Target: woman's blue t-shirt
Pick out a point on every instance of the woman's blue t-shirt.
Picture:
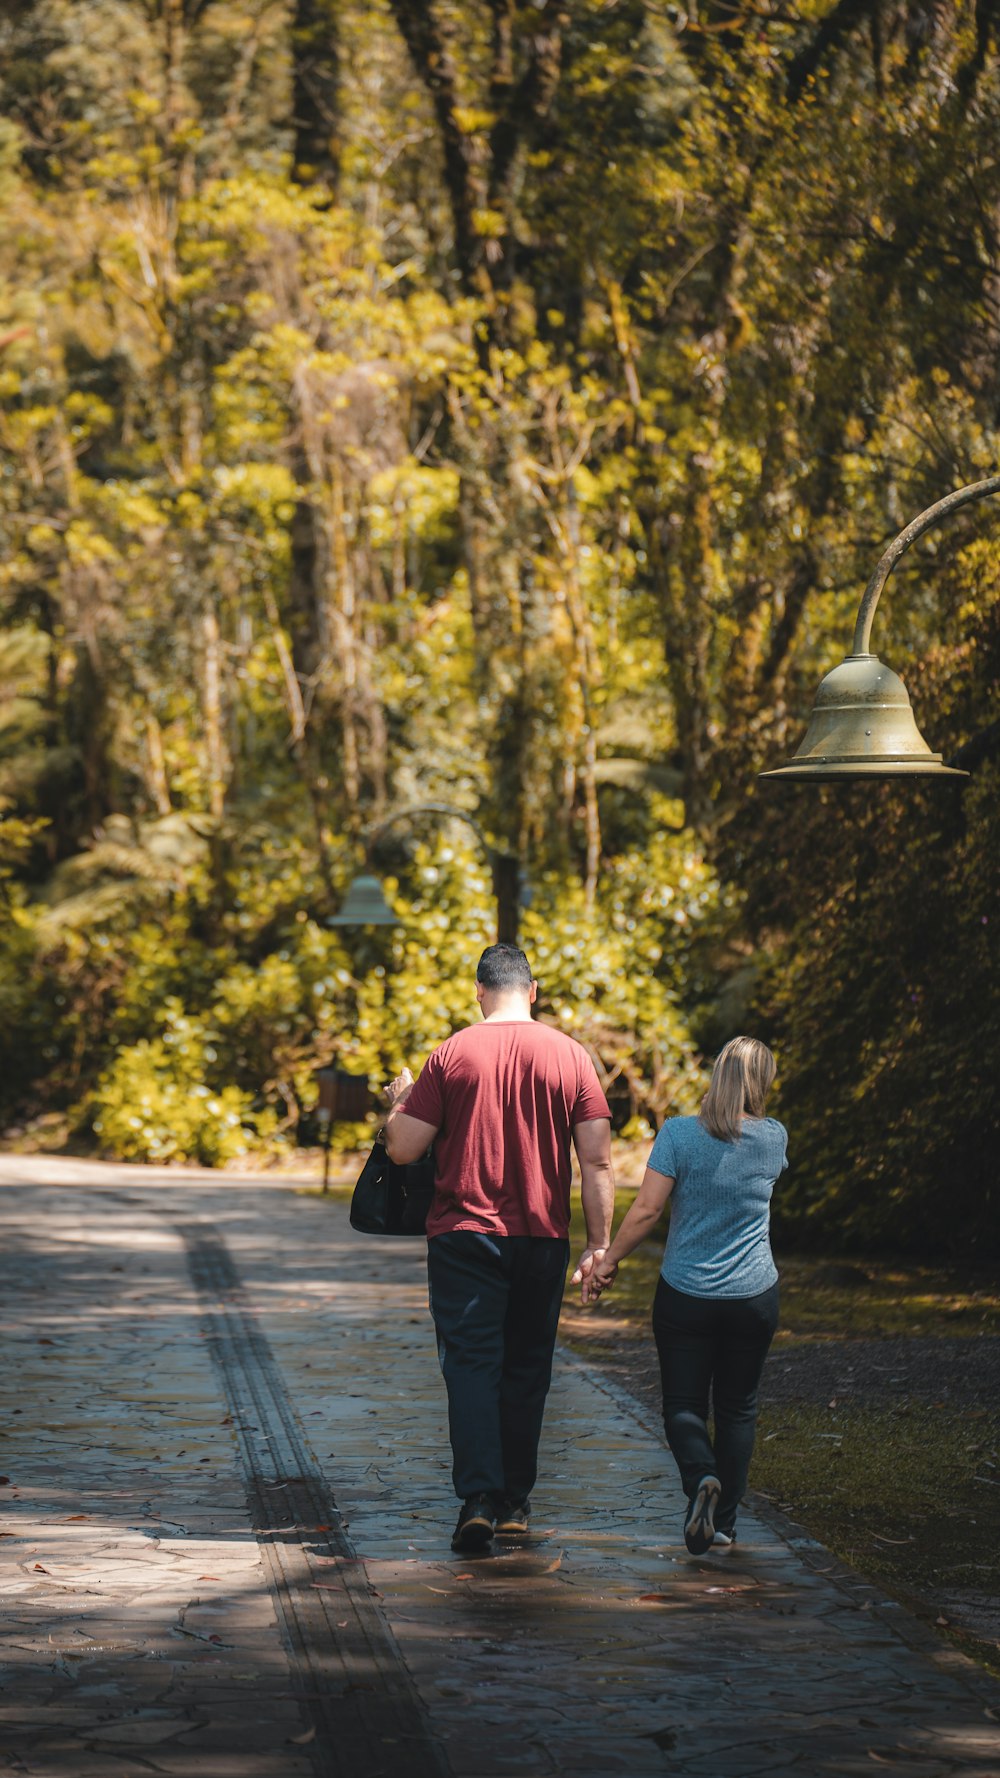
(719, 1242)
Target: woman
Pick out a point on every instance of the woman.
(716, 1305)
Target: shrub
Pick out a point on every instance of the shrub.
(152, 1103)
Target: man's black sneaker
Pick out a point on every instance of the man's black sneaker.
(699, 1526)
(512, 1518)
(475, 1524)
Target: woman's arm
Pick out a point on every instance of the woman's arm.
(642, 1216)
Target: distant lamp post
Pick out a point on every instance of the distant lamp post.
(339, 1095)
(862, 725)
(365, 903)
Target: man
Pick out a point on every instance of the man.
(502, 1102)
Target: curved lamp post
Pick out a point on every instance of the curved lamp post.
(862, 725)
(365, 903)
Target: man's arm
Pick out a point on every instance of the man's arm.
(592, 1141)
(406, 1138)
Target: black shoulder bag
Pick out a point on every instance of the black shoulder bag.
(390, 1199)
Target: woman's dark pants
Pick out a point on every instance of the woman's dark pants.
(712, 1346)
(495, 1300)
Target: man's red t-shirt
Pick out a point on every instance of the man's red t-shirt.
(504, 1097)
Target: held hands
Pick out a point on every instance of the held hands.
(594, 1274)
(601, 1278)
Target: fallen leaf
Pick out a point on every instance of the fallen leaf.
(302, 1740)
(655, 1599)
(328, 1586)
(208, 1577)
(41, 1570)
(5, 1481)
(73, 1517)
(465, 1577)
(943, 1621)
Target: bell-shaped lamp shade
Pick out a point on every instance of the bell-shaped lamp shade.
(365, 905)
(862, 726)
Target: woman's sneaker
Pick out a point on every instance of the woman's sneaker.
(512, 1518)
(699, 1526)
(475, 1524)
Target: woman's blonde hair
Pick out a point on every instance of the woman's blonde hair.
(741, 1080)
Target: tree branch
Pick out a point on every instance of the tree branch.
(984, 745)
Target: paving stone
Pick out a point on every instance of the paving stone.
(149, 1627)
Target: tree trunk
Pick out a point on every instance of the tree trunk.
(217, 763)
(346, 644)
(316, 92)
(159, 786)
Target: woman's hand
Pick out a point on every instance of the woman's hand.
(601, 1277)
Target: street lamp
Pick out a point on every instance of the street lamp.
(365, 904)
(862, 725)
(342, 1095)
(339, 1095)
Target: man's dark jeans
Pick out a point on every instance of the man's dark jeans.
(495, 1301)
(717, 1345)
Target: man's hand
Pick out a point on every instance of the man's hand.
(399, 1089)
(585, 1263)
(406, 1138)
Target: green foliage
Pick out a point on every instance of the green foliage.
(522, 444)
(152, 1104)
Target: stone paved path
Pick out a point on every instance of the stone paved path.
(225, 1536)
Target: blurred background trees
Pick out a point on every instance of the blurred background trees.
(504, 404)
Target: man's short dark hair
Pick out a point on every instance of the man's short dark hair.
(503, 967)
